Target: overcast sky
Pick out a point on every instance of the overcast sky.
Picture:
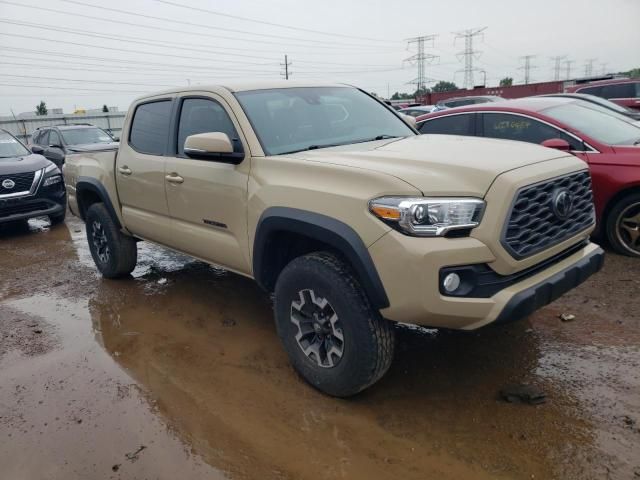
(85, 53)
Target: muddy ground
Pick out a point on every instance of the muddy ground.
(177, 373)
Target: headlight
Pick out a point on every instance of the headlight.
(428, 217)
(52, 180)
(52, 168)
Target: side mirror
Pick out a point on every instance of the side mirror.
(557, 143)
(37, 149)
(408, 119)
(116, 139)
(215, 146)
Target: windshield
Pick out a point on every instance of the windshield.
(81, 136)
(594, 122)
(289, 120)
(10, 147)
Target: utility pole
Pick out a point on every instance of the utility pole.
(557, 60)
(603, 67)
(421, 59)
(567, 66)
(286, 65)
(469, 53)
(588, 67)
(527, 67)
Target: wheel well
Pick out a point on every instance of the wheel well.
(281, 247)
(612, 202)
(86, 198)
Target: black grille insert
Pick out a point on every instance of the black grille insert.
(533, 224)
(22, 182)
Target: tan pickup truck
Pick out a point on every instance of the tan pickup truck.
(330, 200)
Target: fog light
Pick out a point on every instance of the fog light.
(451, 282)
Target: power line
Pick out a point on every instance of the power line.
(421, 59)
(211, 27)
(527, 67)
(262, 22)
(557, 61)
(75, 80)
(71, 88)
(469, 53)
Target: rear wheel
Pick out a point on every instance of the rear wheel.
(114, 253)
(335, 340)
(623, 225)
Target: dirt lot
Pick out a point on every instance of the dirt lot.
(177, 373)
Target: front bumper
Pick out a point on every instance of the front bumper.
(45, 202)
(410, 268)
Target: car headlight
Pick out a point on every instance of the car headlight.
(428, 217)
(52, 180)
(52, 168)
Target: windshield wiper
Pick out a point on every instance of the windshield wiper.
(637, 142)
(384, 137)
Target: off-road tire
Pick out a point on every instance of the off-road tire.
(122, 254)
(613, 226)
(56, 219)
(369, 339)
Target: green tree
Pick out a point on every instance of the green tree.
(41, 108)
(105, 109)
(506, 82)
(634, 72)
(443, 86)
(401, 96)
(421, 91)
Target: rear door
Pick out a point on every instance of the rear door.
(208, 198)
(140, 171)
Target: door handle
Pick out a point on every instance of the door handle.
(124, 170)
(174, 178)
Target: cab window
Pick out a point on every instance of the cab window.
(201, 115)
(449, 125)
(54, 138)
(523, 129)
(150, 127)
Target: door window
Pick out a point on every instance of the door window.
(523, 129)
(150, 127)
(201, 115)
(42, 138)
(449, 125)
(54, 138)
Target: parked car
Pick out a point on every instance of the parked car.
(58, 141)
(633, 115)
(328, 199)
(623, 91)
(464, 101)
(417, 111)
(30, 185)
(605, 140)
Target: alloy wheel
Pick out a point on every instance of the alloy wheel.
(99, 240)
(319, 333)
(628, 228)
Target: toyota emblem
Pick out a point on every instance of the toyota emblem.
(562, 203)
(8, 184)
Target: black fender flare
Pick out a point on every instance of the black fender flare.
(325, 229)
(91, 184)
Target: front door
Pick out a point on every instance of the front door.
(140, 172)
(208, 199)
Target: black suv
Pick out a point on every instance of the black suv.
(56, 142)
(30, 185)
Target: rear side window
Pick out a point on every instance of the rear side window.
(523, 129)
(200, 115)
(150, 127)
(597, 91)
(449, 125)
(621, 90)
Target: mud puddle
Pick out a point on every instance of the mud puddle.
(183, 359)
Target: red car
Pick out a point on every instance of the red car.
(604, 139)
(623, 91)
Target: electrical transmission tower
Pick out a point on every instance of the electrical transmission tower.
(421, 59)
(286, 66)
(557, 61)
(527, 67)
(469, 53)
(603, 67)
(567, 66)
(588, 67)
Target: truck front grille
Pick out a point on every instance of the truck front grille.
(22, 182)
(548, 213)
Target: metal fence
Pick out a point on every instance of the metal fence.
(23, 128)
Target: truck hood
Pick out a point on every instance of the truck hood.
(438, 164)
(23, 164)
(93, 147)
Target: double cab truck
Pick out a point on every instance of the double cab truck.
(336, 205)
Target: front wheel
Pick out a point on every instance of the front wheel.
(623, 225)
(335, 340)
(114, 253)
